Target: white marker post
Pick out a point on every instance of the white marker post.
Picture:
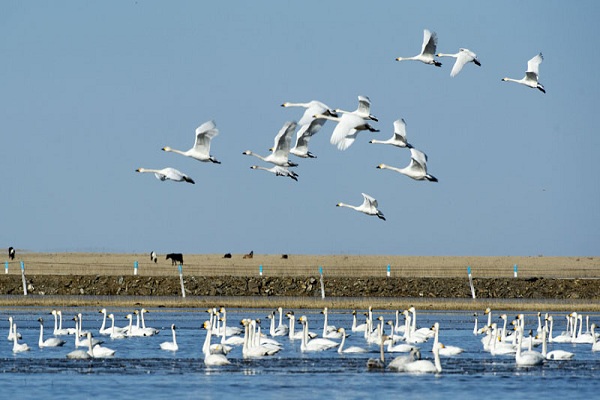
(181, 281)
(515, 270)
(23, 278)
(6, 267)
(389, 270)
(322, 283)
(135, 267)
(260, 270)
(471, 282)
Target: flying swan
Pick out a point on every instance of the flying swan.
(347, 128)
(281, 147)
(417, 169)
(531, 75)
(463, 57)
(201, 150)
(369, 206)
(427, 51)
(399, 138)
(278, 171)
(168, 173)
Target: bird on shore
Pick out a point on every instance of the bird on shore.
(399, 138)
(463, 57)
(168, 174)
(416, 169)
(531, 75)
(427, 51)
(201, 149)
(369, 206)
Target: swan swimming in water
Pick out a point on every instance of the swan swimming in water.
(201, 149)
(427, 50)
(463, 57)
(532, 74)
(316, 344)
(168, 174)
(444, 350)
(368, 206)
(171, 346)
(18, 347)
(554, 354)
(351, 349)
(11, 330)
(96, 350)
(50, 342)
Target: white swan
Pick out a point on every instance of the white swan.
(531, 75)
(363, 110)
(250, 348)
(416, 169)
(444, 350)
(495, 345)
(208, 347)
(308, 126)
(347, 128)
(528, 358)
(348, 350)
(116, 332)
(425, 366)
(148, 331)
(216, 359)
(168, 173)
(579, 337)
(596, 344)
(554, 354)
(397, 348)
(560, 338)
(463, 57)
(83, 342)
(293, 335)
(398, 362)
(399, 137)
(278, 171)
(60, 330)
(11, 330)
(368, 206)
(229, 330)
(171, 346)
(427, 50)
(96, 350)
(355, 326)
(378, 363)
(18, 347)
(103, 329)
(316, 344)
(201, 150)
(50, 342)
(276, 331)
(281, 147)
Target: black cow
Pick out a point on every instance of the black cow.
(227, 255)
(11, 253)
(175, 258)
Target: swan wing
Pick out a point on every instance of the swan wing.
(204, 134)
(533, 65)
(462, 58)
(369, 201)
(283, 140)
(418, 156)
(429, 42)
(316, 107)
(400, 130)
(307, 131)
(364, 105)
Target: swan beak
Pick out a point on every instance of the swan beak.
(379, 166)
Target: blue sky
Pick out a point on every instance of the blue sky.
(91, 91)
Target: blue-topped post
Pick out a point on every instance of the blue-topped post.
(471, 282)
(322, 283)
(515, 270)
(6, 267)
(181, 280)
(23, 278)
(135, 267)
(389, 270)
(260, 270)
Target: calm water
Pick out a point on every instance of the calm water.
(141, 369)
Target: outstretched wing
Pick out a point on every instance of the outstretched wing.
(364, 105)
(283, 140)
(533, 65)
(204, 134)
(369, 201)
(429, 42)
(400, 130)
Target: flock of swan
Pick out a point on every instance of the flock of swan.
(348, 125)
(399, 338)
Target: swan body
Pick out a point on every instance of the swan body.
(278, 171)
(11, 330)
(83, 342)
(276, 331)
(281, 147)
(596, 344)
(355, 326)
(116, 332)
(308, 126)
(252, 348)
(50, 342)
(215, 360)
(528, 358)
(363, 110)
(59, 330)
(417, 169)
(398, 362)
(531, 75)
(351, 349)
(399, 138)
(168, 174)
(463, 57)
(96, 350)
(293, 335)
(561, 338)
(316, 344)
(425, 366)
(427, 50)
(171, 346)
(18, 347)
(201, 149)
(368, 206)
(444, 350)
(347, 128)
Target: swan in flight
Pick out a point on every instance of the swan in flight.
(369, 206)
(50, 342)
(399, 138)
(281, 147)
(168, 173)
(363, 110)
(427, 51)
(308, 125)
(351, 349)
(463, 57)
(347, 128)
(18, 347)
(278, 171)
(416, 169)
(531, 75)
(201, 150)
(171, 346)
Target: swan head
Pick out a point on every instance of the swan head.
(166, 148)
(247, 153)
(41, 321)
(140, 170)
(381, 166)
